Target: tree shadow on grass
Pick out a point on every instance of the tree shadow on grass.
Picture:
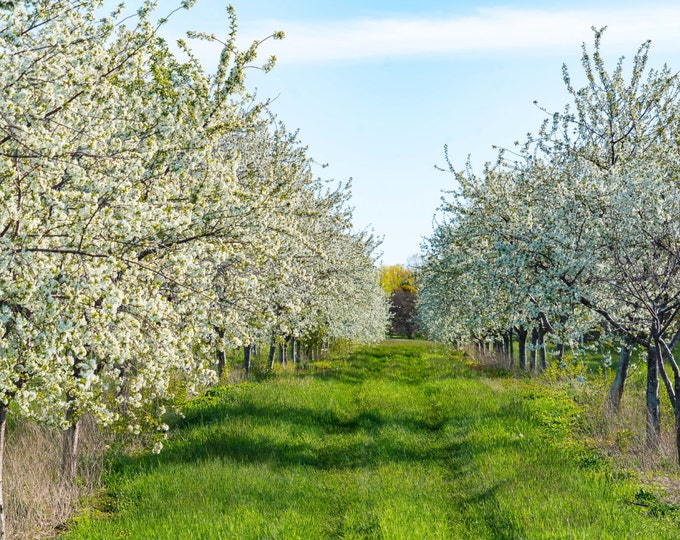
(336, 454)
(496, 519)
(290, 435)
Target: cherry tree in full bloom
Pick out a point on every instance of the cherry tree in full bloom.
(148, 212)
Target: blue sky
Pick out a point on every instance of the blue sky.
(377, 88)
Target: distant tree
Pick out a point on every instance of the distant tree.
(403, 310)
(396, 276)
(399, 282)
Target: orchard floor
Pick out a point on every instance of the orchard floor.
(397, 441)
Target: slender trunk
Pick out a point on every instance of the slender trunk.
(3, 425)
(673, 389)
(522, 343)
(220, 363)
(272, 354)
(293, 351)
(676, 410)
(653, 412)
(282, 354)
(69, 453)
(498, 348)
(677, 431)
(534, 345)
(664, 375)
(506, 347)
(71, 436)
(511, 349)
(220, 356)
(560, 352)
(616, 390)
(247, 350)
(542, 350)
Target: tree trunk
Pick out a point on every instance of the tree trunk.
(220, 363)
(522, 342)
(666, 355)
(676, 410)
(293, 351)
(3, 425)
(71, 436)
(511, 349)
(247, 350)
(69, 452)
(282, 354)
(272, 354)
(560, 351)
(676, 401)
(616, 390)
(543, 353)
(220, 356)
(534, 345)
(653, 412)
(677, 431)
(506, 348)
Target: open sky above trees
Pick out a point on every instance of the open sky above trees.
(378, 88)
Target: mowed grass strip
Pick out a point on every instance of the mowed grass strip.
(399, 440)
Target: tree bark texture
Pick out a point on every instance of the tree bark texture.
(69, 454)
(677, 432)
(522, 342)
(220, 356)
(282, 354)
(616, 390)
(3, 425)
(247, 350)
(511, 349)
(292, 350)
(272, 354)
(534, 345)
(499, 348)
(653, 410)
(543, 355)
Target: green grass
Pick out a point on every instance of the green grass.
(396, 441)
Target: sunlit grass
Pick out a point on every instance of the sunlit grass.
(395, 441)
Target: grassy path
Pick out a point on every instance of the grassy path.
(397, 441)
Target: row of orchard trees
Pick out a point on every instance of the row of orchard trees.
(152, 214)
(579, 231)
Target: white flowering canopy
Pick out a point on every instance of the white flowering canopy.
(150, 212)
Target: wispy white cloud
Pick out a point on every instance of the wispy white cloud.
(488, 30)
